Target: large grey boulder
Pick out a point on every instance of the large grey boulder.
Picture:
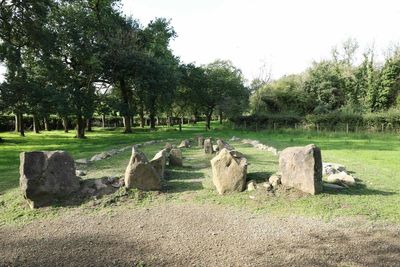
(229, 170)
(158, 162)
(301, 168)
(141, 174)
(175, 157)
(46, 176)
(208, 146)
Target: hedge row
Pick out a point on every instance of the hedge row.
(330, 121)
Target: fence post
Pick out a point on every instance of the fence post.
(382, 127)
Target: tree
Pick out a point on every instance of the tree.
(224, 82)
(156, 74)
(326, 85)
(22, 30)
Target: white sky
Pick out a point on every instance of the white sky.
(285, 34)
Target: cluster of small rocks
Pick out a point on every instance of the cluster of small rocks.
(112, 152)
(270, 184)
(337, 174)
(256, 144)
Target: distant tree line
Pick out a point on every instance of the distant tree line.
(76, 59)
(340, 89)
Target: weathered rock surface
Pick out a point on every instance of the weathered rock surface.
(82, 161)
(229, 172)
(80, 173)
(301, 168)
(341, 178)
(215, 148)
(140, 173)
(168, 147)
(251, 185)
(184, 144)
(208, 146)
(46, 176)
(274, 180)
(175, 157)
(102, 155)
(332, 168)
(158, 162)
(222, 144)
(234, 139)
(200, 141)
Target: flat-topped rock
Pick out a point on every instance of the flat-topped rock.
(46, 176)
(301, 168)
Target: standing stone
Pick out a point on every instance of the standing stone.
(46, 176)
(208, 146)
(229, 170)
(200, 141)
(158, 162)
(168, 147)
(140, 173)
(222, 144)
(184, 144)
(175, 157)
(301, 167)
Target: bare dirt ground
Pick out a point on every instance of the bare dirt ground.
(198, 235)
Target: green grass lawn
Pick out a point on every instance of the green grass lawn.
(374, 159)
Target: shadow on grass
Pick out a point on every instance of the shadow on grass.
(359, 190)
(259, 177)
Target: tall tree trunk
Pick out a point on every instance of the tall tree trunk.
(180, 125)
(46, 123)
(169, 121)
(208, 119)
(220, 117)
(17, 123)
(80, 127)
(125, 98)
(103, 121)
(89, 125)
(65, 124)
(152, 120)
(36, 125)
(22, 126)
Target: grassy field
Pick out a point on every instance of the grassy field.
(373, 159)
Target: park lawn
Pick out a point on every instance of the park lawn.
(373, 159)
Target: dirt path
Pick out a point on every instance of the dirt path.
(198, 235)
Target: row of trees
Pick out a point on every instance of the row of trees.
(78, 58)
(337, 84)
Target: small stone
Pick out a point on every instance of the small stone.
(274, 180)
(341, 178)
(234, 139)
(267, 186)
(168, 147)
(184, 144)
(82, 161)
(208, 146)
(251, 185)
(332, 186)
(80, 173)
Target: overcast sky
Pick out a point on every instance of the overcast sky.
(285, 34)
